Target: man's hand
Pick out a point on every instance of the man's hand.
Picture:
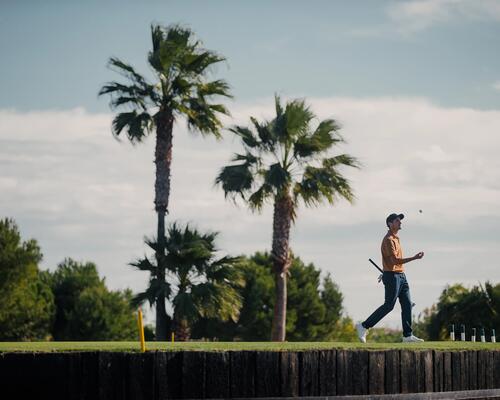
(418, 256)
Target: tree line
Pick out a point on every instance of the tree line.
(214, 298)
(72, 302)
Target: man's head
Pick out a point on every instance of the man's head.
(393, 222)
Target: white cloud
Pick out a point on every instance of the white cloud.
(416, 15)
(70, 185)
(496, 85)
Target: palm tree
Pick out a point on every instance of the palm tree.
(285, 160)
(180, 66)
(200, 285)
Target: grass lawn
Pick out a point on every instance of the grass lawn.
(235, 346)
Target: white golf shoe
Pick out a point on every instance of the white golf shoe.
(362, 331)
(411, 338)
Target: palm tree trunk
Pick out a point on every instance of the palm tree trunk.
(282, 220)
(163, 161)
(182, 330)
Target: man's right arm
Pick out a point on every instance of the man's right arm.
(394, 258)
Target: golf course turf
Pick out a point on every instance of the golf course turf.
(237, 346)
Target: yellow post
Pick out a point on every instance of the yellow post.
(173, 337)
(141, 330)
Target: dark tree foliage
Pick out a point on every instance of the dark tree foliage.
(478, 307)
(27, 304)
(199, 284)
(86, 309)
(314, 306)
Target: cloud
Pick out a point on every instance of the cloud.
(82, 194)
(417, 15)
(496, 85)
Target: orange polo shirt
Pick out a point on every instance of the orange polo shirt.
(391, 253)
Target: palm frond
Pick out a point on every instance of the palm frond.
(127, 71)
(218, 87)
(277, 177)
(217, 301)
(248, 158)
(245, 135)
(341, 160)
(185, 306)
(156, 290)
(277, 105)
(202, 117)
(257, 199)
(137, 125)
(265, 132)
(144, 264)
(324, 183)
(235, 179)
(321, 140)
(199, 63)
(298, 116)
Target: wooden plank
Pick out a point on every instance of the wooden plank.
(482, 359)
(193, 374)
(309, 373)
(426, 361)
(463, 370)
(392, 372)
(344, 371)
(243, 369)
(359, 372)
(217, 383)
(173, 375)
(496, 376)
(140, 375)
(89, 375)
(160, 375)
(490, 370)
(267, 376)
(327, 373)
(472, 370)
(289, 369)
(376, 375)
(419, 372)
(438, 371)
(408, 372)
(46, 369)
(74, 376)
(447, 374)
(22, 366)
(112, 372)
(456, 370)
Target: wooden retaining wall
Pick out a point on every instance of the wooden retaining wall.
(167, 375)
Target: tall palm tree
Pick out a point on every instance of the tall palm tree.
(180, 66)
(199, 285)
(285, 160)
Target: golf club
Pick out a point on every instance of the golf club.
(382, 272)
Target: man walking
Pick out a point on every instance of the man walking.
(395, 283)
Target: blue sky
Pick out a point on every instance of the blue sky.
(414, 84)
(54, 53)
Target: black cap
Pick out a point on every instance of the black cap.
(392, 217)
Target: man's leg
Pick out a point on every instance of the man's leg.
(405, 301)
(391, 283)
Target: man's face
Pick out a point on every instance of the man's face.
(395, 225)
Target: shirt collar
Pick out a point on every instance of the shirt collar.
(389, 233)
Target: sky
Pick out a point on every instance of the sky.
(414, 84)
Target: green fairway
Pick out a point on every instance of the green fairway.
(235, 346)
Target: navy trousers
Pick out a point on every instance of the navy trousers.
(396, 287)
